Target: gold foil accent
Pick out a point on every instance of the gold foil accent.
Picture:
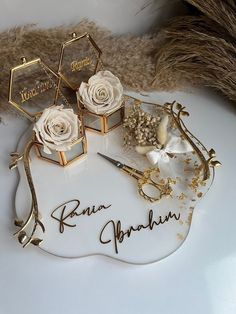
(78, 65)
(176, 111)
(180, 236)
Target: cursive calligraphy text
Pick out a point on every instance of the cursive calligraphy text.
(118, 235)
(68, 210)
(80, 64)
(40, 87)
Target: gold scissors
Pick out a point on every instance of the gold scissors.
(150, 187)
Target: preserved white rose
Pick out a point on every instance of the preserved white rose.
(57, 129)
(102, 94)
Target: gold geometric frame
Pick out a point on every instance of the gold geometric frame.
(63, 161)
(24, 65)
(74, 39)
(103, 121)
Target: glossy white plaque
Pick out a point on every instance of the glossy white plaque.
(115, 207)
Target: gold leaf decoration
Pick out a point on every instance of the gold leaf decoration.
(212, 153)
(22, 237)
(185, 113)
(15, 157)
(215, 163)
(41, 225)
(12, 165)
(36, 241)
(18, 223)
(179, 106)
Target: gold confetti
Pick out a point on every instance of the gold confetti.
(180, 236)
(182, 196)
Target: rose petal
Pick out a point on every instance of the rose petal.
(102, 94)
(57, 128)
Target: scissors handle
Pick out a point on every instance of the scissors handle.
(134, 173)
(158, 189)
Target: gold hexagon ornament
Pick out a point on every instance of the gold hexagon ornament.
(103, 123)
(33, 87)
(80, 58)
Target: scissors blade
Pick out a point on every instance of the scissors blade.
(116, 163)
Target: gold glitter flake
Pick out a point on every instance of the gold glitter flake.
(182, 196)
(180, 236)
(190, 215)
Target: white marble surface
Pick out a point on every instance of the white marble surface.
(200, 277)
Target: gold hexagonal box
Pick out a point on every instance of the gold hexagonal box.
(33, 86)
(104, 123)
(79, 60)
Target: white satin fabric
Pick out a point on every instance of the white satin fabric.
(175, 145)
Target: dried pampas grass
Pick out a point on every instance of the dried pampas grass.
(129, 57)
(223, 12)
(200, 50)
(197, 49)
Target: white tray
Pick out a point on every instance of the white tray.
(95, 182)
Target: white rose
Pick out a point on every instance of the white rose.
(57, 129)
(102, 94)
